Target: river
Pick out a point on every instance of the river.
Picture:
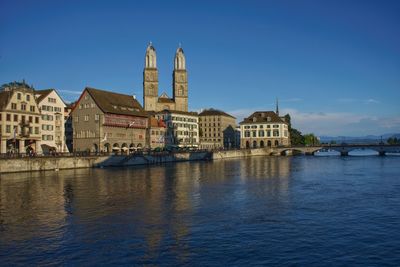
(301, 211)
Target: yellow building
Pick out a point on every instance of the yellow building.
(19, 119)
(217, 129)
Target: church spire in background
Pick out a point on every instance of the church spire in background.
(277, 107)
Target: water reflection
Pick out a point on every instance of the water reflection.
(152, 210)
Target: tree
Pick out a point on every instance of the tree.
(296, 138)
(311, 140)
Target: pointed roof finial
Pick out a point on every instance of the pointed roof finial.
(180, 45)
(277, 107)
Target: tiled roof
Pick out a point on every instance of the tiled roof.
(42, 94)
(179, 112)
(165, 100)
(110, 102)
(263, 117)
(214, 112)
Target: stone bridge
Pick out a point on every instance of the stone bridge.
(343, 149)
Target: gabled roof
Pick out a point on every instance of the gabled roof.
(214, 112)
(42, 94)
(115, 103)
(263, 117)
(191, 113)
(164, 98)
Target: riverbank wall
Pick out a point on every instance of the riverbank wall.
(28, 164)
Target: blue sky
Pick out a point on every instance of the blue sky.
(334, 65)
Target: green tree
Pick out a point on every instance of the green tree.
(311, 140)
(296, 138)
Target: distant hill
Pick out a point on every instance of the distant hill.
(368, 139)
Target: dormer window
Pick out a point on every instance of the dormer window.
(19, 96)
(268, 118)
(28, 97)
(254, 119)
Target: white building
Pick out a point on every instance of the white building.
(182, 127)
(264, 129)
(52, 124)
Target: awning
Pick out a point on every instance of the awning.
(116, 148)
(124, 148)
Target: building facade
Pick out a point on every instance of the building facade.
(264, 129)
(217, 130)
(20, 119)
(156, 133)
(108, 122)
(182, 128)
(52, 124)
(151, 99)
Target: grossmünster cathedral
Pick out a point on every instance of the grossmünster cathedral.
(151, 100)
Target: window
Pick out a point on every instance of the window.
(254, 133)
(36, 119)
(23, 106)
(276, 133)
(19, 96)
(8, 129)
(96, 117)
(86, 117)
(13, 106)
(28, 97)
(269, 133)
(15, 117)
(51, 100)
(275, 126)
(32, 108)
(261, 133)
(1, 116)
(8, 117)
(23, 118)
(30, 119)
(247, 134)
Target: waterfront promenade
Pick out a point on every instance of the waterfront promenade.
(25, 163)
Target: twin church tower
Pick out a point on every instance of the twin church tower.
(151, 100)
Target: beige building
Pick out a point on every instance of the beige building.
(264, 129)
(217, 129)
(157, 132)
(109, 122)
(151, 100)
(182, 128)
(52, 124)
(19, 119)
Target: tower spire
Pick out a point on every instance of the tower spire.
(277, 107)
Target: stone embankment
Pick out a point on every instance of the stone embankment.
(28, 164)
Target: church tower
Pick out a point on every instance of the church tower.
(180, 82)
(150, 79)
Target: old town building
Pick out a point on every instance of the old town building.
(264, 129)
(217, 129)
(19, 119)
(108, 121)
(52, 124)
(151, 100)
(182, 128)
(156, 133)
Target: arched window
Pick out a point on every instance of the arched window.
(261, 143)
(276, 143)
(254, 144)
(247, 144)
